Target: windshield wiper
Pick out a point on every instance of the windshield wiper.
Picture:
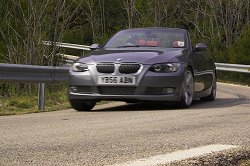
(128, 46)
(151, 46)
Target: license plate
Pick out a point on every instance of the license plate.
(116, 80)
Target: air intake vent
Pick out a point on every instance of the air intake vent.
(114, 90)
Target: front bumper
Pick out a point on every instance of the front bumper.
(150, 86)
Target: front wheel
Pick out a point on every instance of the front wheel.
(187, 90)
(81, 105)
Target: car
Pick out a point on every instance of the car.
(142, 65)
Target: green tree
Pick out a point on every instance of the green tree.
(239, 52)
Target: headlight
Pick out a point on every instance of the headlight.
(79, 67)
(165, 67)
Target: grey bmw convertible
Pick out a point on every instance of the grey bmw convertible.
(143, 64)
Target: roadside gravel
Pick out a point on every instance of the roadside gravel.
(231, 157)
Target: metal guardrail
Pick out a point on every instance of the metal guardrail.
(69, 59)
(34, 74)
(68, 45)
(233, 67)
(50, 74)
(46, 74)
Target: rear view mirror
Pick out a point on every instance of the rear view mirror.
(200, 47)
(94, 46)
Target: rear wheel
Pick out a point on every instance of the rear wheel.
(81, 105)
(212, 95)
(188, 89)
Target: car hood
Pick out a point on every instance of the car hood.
(138, 56)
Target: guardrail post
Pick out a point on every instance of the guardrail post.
(41, 96)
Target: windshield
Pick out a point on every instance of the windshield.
(148, 38)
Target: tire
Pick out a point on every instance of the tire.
(187, 90)
(81, 105)
(212, 95)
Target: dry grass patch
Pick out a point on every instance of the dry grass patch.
(244, 163)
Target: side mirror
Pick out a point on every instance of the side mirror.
(94, 46)
(200, 47)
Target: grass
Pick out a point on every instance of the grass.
(15, 105)
(24, 104)
(233, 77)
(244, 163)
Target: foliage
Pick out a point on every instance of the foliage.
(25, 24)
(239, 52)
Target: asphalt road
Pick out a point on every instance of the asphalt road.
(117, 132)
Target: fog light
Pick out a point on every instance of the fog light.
(73, 89)
(168, 91)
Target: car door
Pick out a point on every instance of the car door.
(203, 72)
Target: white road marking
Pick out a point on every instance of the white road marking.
(177, 156)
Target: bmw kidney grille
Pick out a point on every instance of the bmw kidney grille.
(125, 68)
